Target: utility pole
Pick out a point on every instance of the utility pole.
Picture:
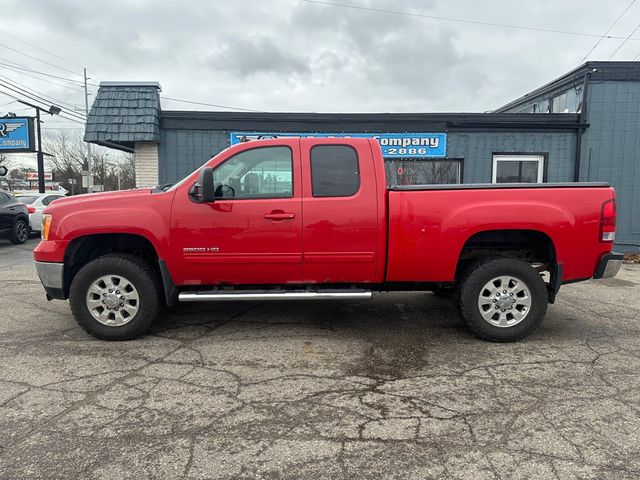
(86, 111)
(40, 155)
(53, 110)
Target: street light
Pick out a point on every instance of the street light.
(53, 110)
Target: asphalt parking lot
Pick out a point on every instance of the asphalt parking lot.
(391, 388)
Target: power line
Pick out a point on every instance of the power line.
(38, 59)
(44, 127)
(44, 101)
(43, 96)
(462, 20)
(608, 30)
(622, 44)
(21, 72)
(41, 49)
(13, 64)
(30, 92)
(61, 114)
(48, 53)
(209, 104)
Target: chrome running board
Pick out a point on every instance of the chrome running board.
(240, 295)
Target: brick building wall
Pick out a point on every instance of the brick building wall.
(146, 163)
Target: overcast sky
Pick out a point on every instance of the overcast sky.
(292, 55)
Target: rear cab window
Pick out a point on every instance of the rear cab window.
(335, 171)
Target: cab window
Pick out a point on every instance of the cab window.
(265, 172)
(334, 171)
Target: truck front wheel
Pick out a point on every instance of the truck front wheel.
(503, 299)
(115, 297)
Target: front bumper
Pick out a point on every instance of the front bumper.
(52, 277)
(609, 265)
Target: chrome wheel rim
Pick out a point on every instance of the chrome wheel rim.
(504, 301)
(22, 232)
(113, 300)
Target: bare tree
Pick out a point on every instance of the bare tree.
(69, 159)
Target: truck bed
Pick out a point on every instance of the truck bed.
(429, 225)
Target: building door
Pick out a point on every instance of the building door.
(252, 233)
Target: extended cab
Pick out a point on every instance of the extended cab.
(300, 218)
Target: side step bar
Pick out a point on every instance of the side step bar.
(227, 295)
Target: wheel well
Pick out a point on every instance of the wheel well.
(82, 250)
(532, 246)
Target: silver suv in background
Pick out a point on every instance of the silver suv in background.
(36, 203)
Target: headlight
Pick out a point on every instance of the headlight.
(46, 223)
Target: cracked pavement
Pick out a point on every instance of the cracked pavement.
(389, 388)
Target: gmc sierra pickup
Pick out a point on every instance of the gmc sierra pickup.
(299, 218)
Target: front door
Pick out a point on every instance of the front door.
(252, 233)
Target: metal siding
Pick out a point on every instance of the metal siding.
(477, 150)
(183, 151)
(610, 149)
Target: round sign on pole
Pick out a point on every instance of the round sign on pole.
(3, 171)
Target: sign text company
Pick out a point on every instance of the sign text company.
(16, 134)
(393, 145)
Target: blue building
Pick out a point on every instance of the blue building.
(583, 126)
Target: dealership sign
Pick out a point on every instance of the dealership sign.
(33, 176)
(16, 134)
(394, 145)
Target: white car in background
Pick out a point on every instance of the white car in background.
(36, 203)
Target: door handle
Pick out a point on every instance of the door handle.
(278, 215)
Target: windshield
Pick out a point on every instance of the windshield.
(28, 199)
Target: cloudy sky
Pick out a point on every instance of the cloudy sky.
(294, 55)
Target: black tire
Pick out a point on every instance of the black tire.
(142, 277)
(20, 232)
(473, 285)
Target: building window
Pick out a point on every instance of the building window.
(334, 171)
(542, 106)
(264, 172)
(518, 169)
(412, 171)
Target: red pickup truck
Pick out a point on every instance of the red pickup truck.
(299, 218)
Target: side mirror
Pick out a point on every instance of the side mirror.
(204, 190)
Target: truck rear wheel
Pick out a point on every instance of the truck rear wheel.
(115, 297)
(503, 299)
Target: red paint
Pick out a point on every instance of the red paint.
(304, 239)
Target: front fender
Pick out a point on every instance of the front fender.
(147, 223)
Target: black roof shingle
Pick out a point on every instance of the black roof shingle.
(124, 113)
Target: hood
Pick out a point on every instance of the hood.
(101, 197)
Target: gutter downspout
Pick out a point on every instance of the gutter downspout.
(581, 119)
